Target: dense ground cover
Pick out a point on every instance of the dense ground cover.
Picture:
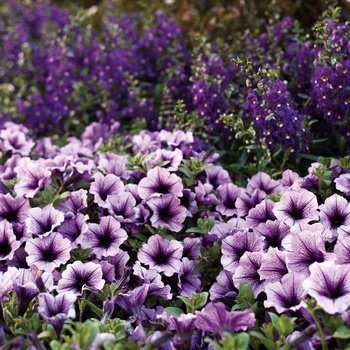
(163, 191)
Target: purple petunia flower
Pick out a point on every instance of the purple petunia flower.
(329, 284)
(161, 255)
(245, 202)
(342, 184)
(296, 207)
(273, 265)
(233, 247)
(287, 294)
(78, 276)
(74, 229)
(223, 289)
(215, 318)
(261, 213)
(334, 213)
(273, 232)
(42, 221)
(173, 157)
(8, 242)
(122, 206)
(33, 177)
(105, 238)
(342, 250)
(111, 163)
(228, 193)
(217, 175)
(307, 247)
(188, 281)
(263, 182)
(104, 186)
(48, 253)
(160, 181)
(247, 270)
(167, 212)
(204, 195)
(56, 309)
(75, 204)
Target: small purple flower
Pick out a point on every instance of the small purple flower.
(334, 213)
(167, 212)
(111, 163)
(234, 246)
(104, 186)
(76, 203)
(105, 238)
(42, 221)
(122, 206)
(173, 157)
(204, 195)
(161, 255)
(223, 289)
(56, 309)
(74, 228)
(14, 210)
(48, 252)
(33, 177)
(217, 175)
(342, 184)
(261, 213)
(329, 284)
(228, 193)
(263, 182)
(287, 294)
(247, 270)
(296, 207)
(273, 265)
(307, 247)
(78, 276)
(215, 318)
(8, 242)
(188, 281)
(160, 181)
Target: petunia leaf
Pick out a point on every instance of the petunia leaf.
(342, 332)
(174, 311)
(245, 297)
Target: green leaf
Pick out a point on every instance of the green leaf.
(174, 311)
(93, 307)
(245, 297)
(269, 344)
(238, 341)
(342, 332)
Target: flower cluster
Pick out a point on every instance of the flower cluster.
(124, 234)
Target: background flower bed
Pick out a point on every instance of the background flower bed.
(157, 187)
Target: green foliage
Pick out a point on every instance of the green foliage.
(197, 301)
(245, 298)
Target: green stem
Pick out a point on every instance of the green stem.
(320, 332)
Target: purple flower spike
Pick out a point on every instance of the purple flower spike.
(104, 186)
(287, 294)
(78, 276)
(56, 309)
(8, 242)
(105, 237)
(215, 318)
(247, 270)
(48, 253)
(167, 212)
(160, 181)
(42, 221)
(161, 255)
(335, 212)
(329, 284)
(297, 207)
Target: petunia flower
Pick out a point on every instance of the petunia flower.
(160, 181)
(296, 207)
(342, 184)
(274, 265)
(8, 241)
(215, 318)
(217, 175)
(204, 194)
(286, 295)
(167, 212)
(78, 276)
(173, 158)
(223, 288)
(33, 177)
(48, 252)
(161, 255)
(334, 213)
(103, 186)
(228, 193)
(76, 203)
(14, 210)
(342, 250)
(273, 232)
(245, 202)
(263, 182)
(111, 163)
(74, 228)
(247, 270)
(191, 247)
(122, 206)
(307, 247)
(105, 238)
(261, 213)
(234, 246)
(329, 284)
(56, 309)
(188, 281)
(42, 221)
(188, 200)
